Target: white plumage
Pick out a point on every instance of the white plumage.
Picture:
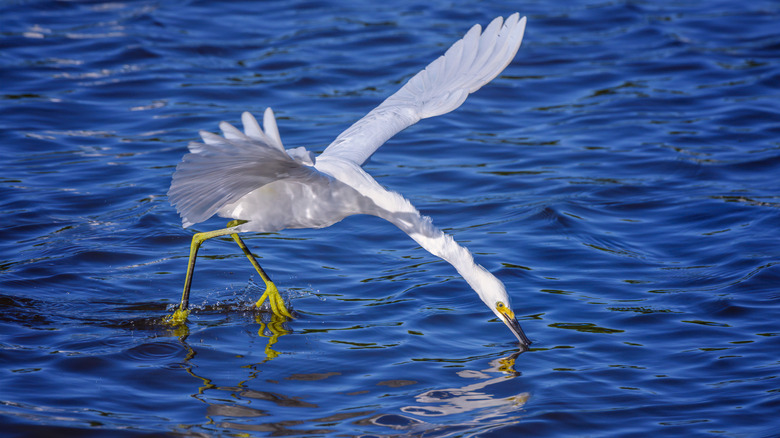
(251, 177)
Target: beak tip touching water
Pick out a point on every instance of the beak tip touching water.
(518, 331)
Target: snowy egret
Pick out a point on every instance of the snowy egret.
(250, 177)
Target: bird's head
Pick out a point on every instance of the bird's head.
(493, 294)
(504, 311)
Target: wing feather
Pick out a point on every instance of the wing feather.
(271, 130)
(252, 128)
(440, 88)
(222, 169)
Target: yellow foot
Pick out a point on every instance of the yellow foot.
(179, 317)
(275, 300)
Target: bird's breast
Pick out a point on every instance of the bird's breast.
(296, 204)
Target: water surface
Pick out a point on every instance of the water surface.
(621, 178)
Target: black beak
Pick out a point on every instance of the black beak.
(518, 331)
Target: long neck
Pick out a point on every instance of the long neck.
(421, 229)
(399, 211)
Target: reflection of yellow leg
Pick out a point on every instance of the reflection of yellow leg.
(271, 292)
(276, 328)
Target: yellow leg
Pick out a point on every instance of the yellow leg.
(271, 292)
(181, 313)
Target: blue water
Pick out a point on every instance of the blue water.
(621, 177)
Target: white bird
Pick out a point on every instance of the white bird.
(251, 178)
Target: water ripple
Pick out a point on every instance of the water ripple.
(620, 177)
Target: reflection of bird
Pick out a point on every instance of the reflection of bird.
(454, 401)
(250, 177)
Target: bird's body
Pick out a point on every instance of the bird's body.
(249, 176)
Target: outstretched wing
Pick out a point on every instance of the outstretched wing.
(440, 88)
(223, 169)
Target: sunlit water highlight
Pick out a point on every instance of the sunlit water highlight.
(621, 177)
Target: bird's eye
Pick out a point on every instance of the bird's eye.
(500, 305)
